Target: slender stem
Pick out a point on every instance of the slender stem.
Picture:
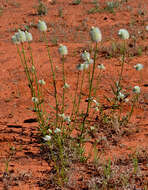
(132, 108)
(79, 100)
(20, 56)
(39, 90)
(39, 94)
(89, 74)
(36, 79)
(98, 81)
(23, 62)
(27, 72)
(54, 79)
(36, 105)
(63, 97)
(89, 96)
(74, 101)
(122, 66)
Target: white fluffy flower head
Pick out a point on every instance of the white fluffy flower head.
(65, 118)
(21, 36)
(146, 28)
(47, 138)
(101, 67)
(120, 96)
(42, 26)
(28, 36)
(42, 82)
(136, 89)
(85, 55)
(66, 85)
(95, 34)
(35, 100)
(124, 34)
(15, 40)
(63, 50)
(138, 67)
(57, 130)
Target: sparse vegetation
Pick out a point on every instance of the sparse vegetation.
(76, 2)
(41, 9)
(82, 110)
(57, 133)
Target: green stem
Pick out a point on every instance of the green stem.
(89, 96)
(89, 76)
(39, 95)
(54, 79)
(81, 86)
(74, 101)
(79, 100)
(63, 97)
(36, 79)
(27, 72)
(132, 108)
(18, 51)
(122, 66)
(25, 66)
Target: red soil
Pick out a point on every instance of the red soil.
(17, 137)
